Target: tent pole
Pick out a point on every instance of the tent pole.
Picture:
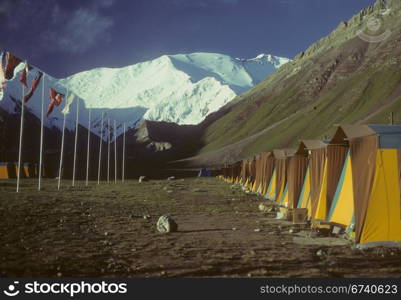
(62, 149)
(115, 152)
(75, 146)
(108, 150)
(20, 138)
(100, 151)
(41, 134)
(88, 150)
(123, 165)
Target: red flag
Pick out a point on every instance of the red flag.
(11, 62)
(55, 100)
(3, 62)
(23, 75)
(35, 83)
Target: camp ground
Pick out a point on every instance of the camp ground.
(8, 170)
(309, 147)
(348, 184)
(373, 167)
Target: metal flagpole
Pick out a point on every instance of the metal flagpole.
(108, 151)
(62, 146)
(41, 134)
(115, 152)
(100, 151)
(21, 131)
(87, 156)
(123, 164)
(75, 146)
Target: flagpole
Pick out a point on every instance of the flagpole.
(108, 151)
(87, 156)
(62, 146)
(20, 138)
(115, 152)
(41, 134)
(123, 165)
(75, 146)
(100, 151)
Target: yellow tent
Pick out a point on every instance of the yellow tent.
(7, 170)
(312, 183)
(336, 152)
(271, 188)
(278, 181)
(374, 164)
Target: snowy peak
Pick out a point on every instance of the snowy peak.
(182, 88)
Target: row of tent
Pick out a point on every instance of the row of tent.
(9, 170)
(351, 181)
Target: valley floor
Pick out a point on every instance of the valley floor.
(99, 231)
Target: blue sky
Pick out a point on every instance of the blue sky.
(63, 37)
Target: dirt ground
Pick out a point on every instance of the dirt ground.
(100, 231)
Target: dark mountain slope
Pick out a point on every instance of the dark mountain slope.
(340, 79)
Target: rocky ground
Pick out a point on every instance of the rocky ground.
(100, 231)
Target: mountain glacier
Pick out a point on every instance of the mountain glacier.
(182, 88)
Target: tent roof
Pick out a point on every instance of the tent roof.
(313, 144)
(283, 153)
(389, 135)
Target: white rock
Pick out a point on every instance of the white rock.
(166, 224)
(263, 207)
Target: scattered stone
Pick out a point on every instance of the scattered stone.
(263, 207)
(234, 229)
(166, 224)
(336, 230)
(252, 252)
(59, 274)
(291, 230)
(106, 233)
(146, 217)
(321, 253)
(142, 179)
(171, 178)
(258, 230)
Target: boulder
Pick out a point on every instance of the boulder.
(166, 224)
(263, 207)
(171, 178)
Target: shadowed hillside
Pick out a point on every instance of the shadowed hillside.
(343, 78)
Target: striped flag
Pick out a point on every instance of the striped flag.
(24, 75)
(70, 99)
(55, 100)
(35, 83)
(11, 63)
(3, 62)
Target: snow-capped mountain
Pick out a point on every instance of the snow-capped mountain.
(182, 88)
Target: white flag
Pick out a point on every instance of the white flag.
(70, 99)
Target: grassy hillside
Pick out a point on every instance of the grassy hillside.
(340, 79)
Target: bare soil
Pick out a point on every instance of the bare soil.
(99, 231)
